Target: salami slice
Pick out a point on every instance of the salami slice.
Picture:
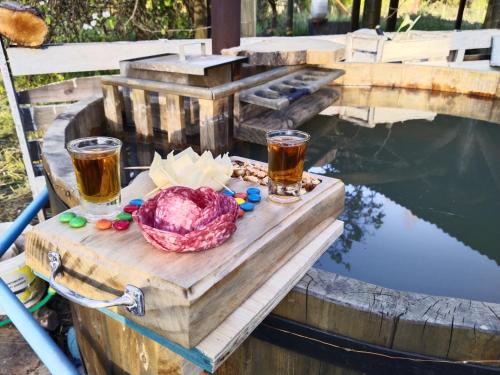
(181, 219)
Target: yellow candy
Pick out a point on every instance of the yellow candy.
(240, 200)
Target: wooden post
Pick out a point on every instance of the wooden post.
(172, 117)
(213, 133)
(113, 107)
(392, 16)
(226, 24)
(371, 13)
(142, 112)
(356, 4)
(460, 14)
(248, 18)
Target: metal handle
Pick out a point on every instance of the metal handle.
(182, 52)
(132, 298)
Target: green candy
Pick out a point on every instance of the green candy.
(66, 217)
(78, 222)
(124, 216)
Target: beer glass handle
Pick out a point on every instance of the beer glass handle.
(132, 298)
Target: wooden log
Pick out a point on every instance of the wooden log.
(172, 117)
(297, 51)
(113, 107)
(214, 132)
(142, 112)
(22, 24)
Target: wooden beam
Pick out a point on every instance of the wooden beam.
(371, 13)
(213, 125)
(460, 14)
(113, 107)
(172, 117)
(142, 112)
(226, 24)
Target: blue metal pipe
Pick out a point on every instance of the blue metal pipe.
(39, 340)
(17, 227)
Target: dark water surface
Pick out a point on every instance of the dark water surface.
(422, 210)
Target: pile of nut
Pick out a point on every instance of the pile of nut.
(257, 174)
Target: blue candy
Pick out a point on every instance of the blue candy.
(247, 206)
(227, 192)
(253, 190)
(254, 198)
(136, 202)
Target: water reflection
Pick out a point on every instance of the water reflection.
(421, 205)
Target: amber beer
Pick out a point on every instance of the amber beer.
(96, 161)
(286, 153)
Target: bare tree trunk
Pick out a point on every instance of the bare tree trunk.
(200, 19)
(274, 21)
(289, 18)
(371, 13)
(492, 20)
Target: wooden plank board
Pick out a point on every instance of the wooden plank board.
(65, 91)
(198, 290)
(214, 349)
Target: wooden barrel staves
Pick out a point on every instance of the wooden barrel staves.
(22, 24)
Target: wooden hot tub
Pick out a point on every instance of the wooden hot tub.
(329, 310)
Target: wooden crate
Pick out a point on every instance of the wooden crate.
(187, 295)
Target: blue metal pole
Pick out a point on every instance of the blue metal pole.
(23, 220)
(42, 344)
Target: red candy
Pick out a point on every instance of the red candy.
(240, 213)
(130, 208)
(121, 224)
(241, 195)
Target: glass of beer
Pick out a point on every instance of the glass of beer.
(96, 161)
(286, 151)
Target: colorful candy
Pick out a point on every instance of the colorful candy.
(130, 208)
(136, 202)
(240, 201)
(228, 192)
(124, 216)
(66, 217)
(254, 198)
(103, 224)
(77, 222)
(241, 213)
(253, 190)
(247, 206)
(121, 224)
(241, 195)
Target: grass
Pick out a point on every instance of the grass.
(14, 190)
